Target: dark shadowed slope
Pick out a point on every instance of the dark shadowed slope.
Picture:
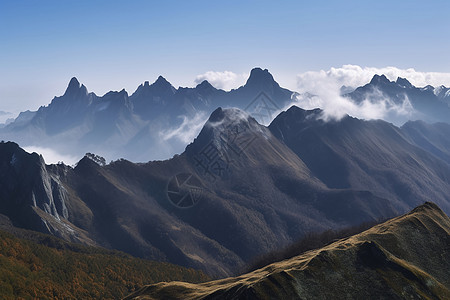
(365, 155)
(406, 257)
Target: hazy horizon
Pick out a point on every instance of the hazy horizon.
(120, 45)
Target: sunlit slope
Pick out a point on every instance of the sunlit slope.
(404, 258)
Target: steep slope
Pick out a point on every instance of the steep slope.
(34, 198)
(365, 155)
(406, 257)
(44, 267)
(235, 193)
(250, 193)
(434, 138)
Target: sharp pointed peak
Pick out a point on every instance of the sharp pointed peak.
(161, 79)
(74, 87)
(223, 121)
(162, 82)
(74, 82)
(204, 84)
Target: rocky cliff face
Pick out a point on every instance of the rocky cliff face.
(404, 258)
(31, 196)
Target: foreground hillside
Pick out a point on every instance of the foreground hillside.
(404, 258)
(44, 267)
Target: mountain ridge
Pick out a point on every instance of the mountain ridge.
(386, 261)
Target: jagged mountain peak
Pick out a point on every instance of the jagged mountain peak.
(404, 82)
(161, 81)
(377, 79)
(226, 123)
(382, 79)
(259, 76)
(205, 85)
(75, 89)
(74, 83)
(160, 87)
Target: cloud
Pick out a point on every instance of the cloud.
(188, 130)
(225, 80)
(354, 76)
(51, 156)
(326, 85)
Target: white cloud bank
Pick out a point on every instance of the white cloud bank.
(187, 130)
(354, 76)
(225, 80)
(51, 156)
(326, 86)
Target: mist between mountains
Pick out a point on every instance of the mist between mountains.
(215, 160)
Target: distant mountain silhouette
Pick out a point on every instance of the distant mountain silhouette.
(137, 127)
(428, 104)
(157, 120)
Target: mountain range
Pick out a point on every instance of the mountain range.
(405, 102)
(239, 190)
(154, 122)
(159, 120)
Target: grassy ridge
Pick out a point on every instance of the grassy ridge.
(312, 240)
(57, 269)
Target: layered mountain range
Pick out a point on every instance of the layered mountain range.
(159, 120)
(240, 189)
(151, 123)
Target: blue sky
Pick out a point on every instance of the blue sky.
(110, 45)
